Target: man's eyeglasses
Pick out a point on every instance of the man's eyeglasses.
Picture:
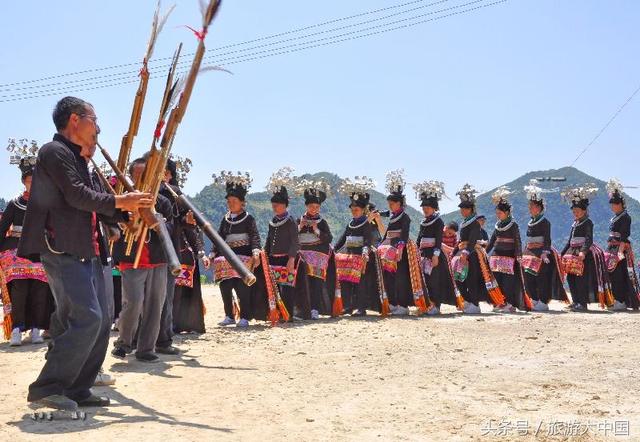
(90, 117)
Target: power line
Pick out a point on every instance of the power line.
(246, 42)
(606, 125)
(352, 35)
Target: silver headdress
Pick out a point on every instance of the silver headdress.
(359, 185)
(533, 191)
(227, 178)
(429, 189)
(279, 179)
(579, 196)
(313, 191)
(183, 167)
(23, 153)
(395, 181)
(467, 194)
(501, 196)
(614, 190)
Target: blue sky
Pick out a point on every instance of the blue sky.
(482, 97)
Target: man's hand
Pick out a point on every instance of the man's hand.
(435, 260)
(291, 265)
(206, 262)
(130, 202)
(581, 256)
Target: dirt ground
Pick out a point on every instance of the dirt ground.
(528, 376)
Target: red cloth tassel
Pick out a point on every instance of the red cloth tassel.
(338, 307)
(421, 303)
(497, 298)
(200, 35)
(386, 310)
(527, 301)
(283, 311)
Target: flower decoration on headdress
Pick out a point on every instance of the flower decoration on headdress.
(429, 189)
(395, 181)
(281, 178)
(467, 194)
(577, 194)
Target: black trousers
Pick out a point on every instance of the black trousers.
(288, 295)
(539, 286)
(79, 328)
(31, 303)
(316, 286)
(117, 296)
(621, 285)
(579, 288)
(509, 286)
(473, 289)
(398, 284)
(354, 296)
(243, 292)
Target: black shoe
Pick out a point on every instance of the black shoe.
(170, 350)
(147, 357)
(119, 352)
(94, 401)
(57, 401)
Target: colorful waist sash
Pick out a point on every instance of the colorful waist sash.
(577, 242)
(15, 267)
(426, 265)
(501, 264)
(317, 263)
(572, 265)
(427, 243)
(185, 278)
(611, 260)
(531, 264)
(282, 275)
(460, 270)
(235, 240)
(354, 242)
(307, 238)
(388, 257)
(349, 267)
(222, 269)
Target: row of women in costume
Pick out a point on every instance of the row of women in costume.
(371, 267)
(26, 298)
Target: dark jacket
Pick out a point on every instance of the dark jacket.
(431, 229)
(470, 234)
(360, 237)
(401, 225)
(540, 229)
(309, 240)
(246, 238)
(282, 238)
(13, 216)
(61, 203)
(620, 228)
(156, 252)
(506, 242)
(580, 229)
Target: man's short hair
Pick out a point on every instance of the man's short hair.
(67, 106)
(453, 226)
(135, 162)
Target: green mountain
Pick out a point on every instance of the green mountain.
(335, 209)
(556, 208)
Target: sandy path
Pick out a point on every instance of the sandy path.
(362, 379)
